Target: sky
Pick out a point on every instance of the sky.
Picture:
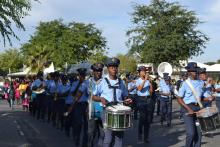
(113, 18)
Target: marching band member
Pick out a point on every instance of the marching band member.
(144, 91)
(53, 90)
(217, 90)
(80, 111)
(207, 87)
(95, 123)
(110, 91)
(166, 91)
(179, 83)
(37, 85)
(63, 90)
(190, 105)
(68, 102)
(132, 89)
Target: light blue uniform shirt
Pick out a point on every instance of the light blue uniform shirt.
(207, 91)
(52, 87)
(216, 87)
(84, 88)
(103, 90)
(162, 82)
(165, 89)
(146, 89)
(61, 89)
(70, 99)
(97, 106)
(36, 83)
(186, 93)
(131, 85)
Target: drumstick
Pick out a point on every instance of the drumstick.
(190, 113)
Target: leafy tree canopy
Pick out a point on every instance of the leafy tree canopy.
(11, 59)
(165, 31)
(61, 43)
(12, 11)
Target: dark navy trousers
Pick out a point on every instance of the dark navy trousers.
(193, 133)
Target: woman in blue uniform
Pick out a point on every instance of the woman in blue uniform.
(145, 105)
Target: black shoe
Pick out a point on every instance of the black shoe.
(161, 122)
(168, 125)
(67, 133)
(146, 141)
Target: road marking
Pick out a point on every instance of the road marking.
(21, 133)
(5, 114)
(25, 145)
(35, 129)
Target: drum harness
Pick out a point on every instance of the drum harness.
(114, 90)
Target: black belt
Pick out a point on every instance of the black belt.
(193, 104)
(145, 97)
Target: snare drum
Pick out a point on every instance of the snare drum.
(118, 117)
(208, 119)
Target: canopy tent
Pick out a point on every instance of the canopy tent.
(24, 73)
(27, 72)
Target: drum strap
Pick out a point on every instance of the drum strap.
(188, 82)
(113, 87)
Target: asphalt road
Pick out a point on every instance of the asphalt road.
(19, 129)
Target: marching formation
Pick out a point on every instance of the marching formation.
(96, 110)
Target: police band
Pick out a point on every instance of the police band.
(97, 110)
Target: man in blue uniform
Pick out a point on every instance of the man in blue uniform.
(95, 123)
(208, 88)
(190, 105)
(63, 90)
(110, 91)
(37, 85)
(145, 105)
(132, 89)
(166, 91)
(80, 108)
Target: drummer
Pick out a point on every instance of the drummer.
(144, 92)
(190, 105)
(110, 91)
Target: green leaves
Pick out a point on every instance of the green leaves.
(12, 11)
(165, 32)
(71, 43)
(11, 59)
(127, 63)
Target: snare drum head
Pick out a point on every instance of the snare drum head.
(119, 107)
(207, 112)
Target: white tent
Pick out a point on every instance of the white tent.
(214, 68)
(48, 70)
(22, 73)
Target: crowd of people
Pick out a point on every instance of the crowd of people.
(64, 100)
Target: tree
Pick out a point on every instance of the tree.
(11, 59)
(127, 63)
(210, 63)
(12, 11)
(71, 43)
(37, 58)
(165, 32)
